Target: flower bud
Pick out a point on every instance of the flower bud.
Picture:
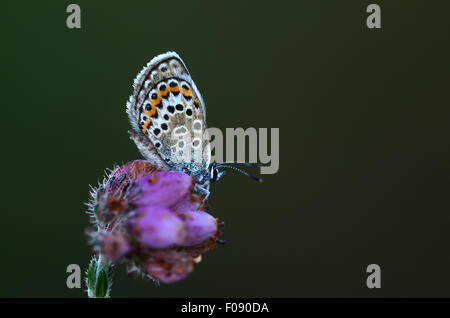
(114, 245)
(168, 266)
(157, 227)
(200, 226)
(163, 188)
(121, 178)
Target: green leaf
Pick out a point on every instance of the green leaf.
(102, 285)
(92, 270)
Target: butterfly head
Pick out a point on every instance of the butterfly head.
(218, 170)
(216, 173)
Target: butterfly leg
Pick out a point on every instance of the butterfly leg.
(204, 190)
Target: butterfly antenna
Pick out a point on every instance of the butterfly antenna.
(249, 164)
(243, 172)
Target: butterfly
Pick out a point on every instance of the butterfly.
(168, 118)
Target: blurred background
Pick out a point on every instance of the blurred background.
(364, 129)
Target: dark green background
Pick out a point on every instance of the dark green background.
(364, 129)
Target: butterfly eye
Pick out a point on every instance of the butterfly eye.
(214, 174)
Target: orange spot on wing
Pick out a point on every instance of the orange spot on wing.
(187, 92)
(145, 125)
(155, 101)
(164, 93)
(153, 110)
(174, 89)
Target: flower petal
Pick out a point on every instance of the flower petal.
(200, 226)
(114, 245)
(168, 266)
(190, 202)
(124, 175)
(157, 227)
(164, 188)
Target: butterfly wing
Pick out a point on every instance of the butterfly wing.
(168, 117)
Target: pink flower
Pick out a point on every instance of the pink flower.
(164, 188)
(200, 226)
(153, 221)
(158, 227)
(114, 245)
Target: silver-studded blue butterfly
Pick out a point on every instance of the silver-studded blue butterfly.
(168, 117)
